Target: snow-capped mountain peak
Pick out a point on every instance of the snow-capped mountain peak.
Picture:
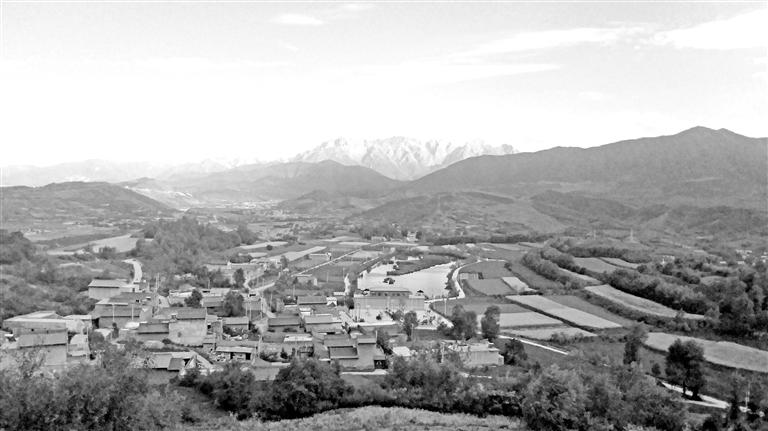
(399, 157)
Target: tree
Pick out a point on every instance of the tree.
(464, 323)
(555, 400)
(489, 324)
(382, 340)
(194, 299)
(239, 278)
(107, 253)
(283, 262)
(233, 304)
(410, 321)
(305, 387)
(514, 352)
(684, 363)
(634, 340)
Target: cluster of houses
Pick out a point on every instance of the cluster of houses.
(179, 338)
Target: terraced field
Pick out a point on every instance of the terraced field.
(568, 314)
(478, 304)
(518, 286)
(546, 334)
(488, 269)
(723, 353)
(587, 307)
(525, 319)
(585, 278)
(637, 303)
(595, 264)
(619, 262)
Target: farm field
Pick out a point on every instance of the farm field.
(524, 319)
(488, 269)
(723, 353)
(546, 334)
(585, 278)
(636, 303)
(510, 247)
(568, 314)
(587, 307)
(594, 264)
(619, 262)
(489, 287)
(477, 304)
(517, 285)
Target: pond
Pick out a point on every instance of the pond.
(431, 280)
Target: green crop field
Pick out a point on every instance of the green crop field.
(585, 278)
(636, 303)
(546, 334)
(581, 304)
(619, 262)
(564, 312)
(490, 287)
(723, 353)
(526, 319)
(478, 304)
(488, 269)
(594, 264)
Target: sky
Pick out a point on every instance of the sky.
(185, 81)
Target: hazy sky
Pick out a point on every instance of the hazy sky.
(184, 81)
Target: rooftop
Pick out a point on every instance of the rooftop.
(284, 321)
(389, 288)
(242, 320)
(112, 284)
(320, 319)
(304, 300)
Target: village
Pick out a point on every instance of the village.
(180, 332)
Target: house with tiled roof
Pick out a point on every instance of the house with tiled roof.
(351, 353)
(238, 324)
(121, 309)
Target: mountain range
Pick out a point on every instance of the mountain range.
(697, 181)
(399, 157)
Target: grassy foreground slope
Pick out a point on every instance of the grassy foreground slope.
(370, 418)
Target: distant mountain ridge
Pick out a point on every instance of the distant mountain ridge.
(281, 181)
(698, 166)
(399, 157)
(96, 170)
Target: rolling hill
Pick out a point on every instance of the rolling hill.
(699, 167)
(75, 201)
(470, 212)
(282, 181)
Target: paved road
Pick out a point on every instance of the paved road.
(137, 274)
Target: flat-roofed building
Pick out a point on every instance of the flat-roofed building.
(389, 297)
(103, 289)
(43, 332)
